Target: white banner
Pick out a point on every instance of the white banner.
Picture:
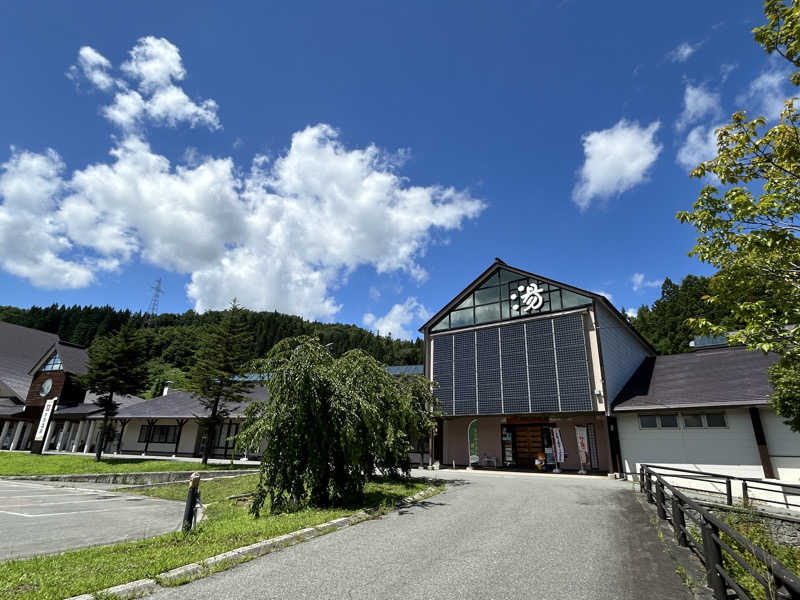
(583, 444)
(45, 420)
(558, 445)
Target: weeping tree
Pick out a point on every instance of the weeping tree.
(328, 426)
(116, 367)
(217, 377)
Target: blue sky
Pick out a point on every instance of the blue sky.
(359, 162)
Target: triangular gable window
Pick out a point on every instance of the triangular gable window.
(505, 295)
(54, 364)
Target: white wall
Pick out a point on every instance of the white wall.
(187, 443)
(727, 450)
(622, 351)
(784, 446)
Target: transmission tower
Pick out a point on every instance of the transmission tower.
(152, 311)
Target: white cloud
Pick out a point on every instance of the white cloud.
(698, 103)
(638, 280)
(282, 235)
(726, 69)
(155, 65)
(766, 93)
(397, 320)
(374, 293)
(700, 145)
(631, 313)
(609, 297)
(616, 160)
(683, 51)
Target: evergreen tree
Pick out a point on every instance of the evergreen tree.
(216, 376)
(115, 368)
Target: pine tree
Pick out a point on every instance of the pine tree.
(215, 378)
(116, 367)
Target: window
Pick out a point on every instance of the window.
(648, 421)
(690, 421)
(162, 434)
(491, 301)
(716, 420)
(54, 364)
(669, 421)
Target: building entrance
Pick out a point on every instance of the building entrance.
(523, 443)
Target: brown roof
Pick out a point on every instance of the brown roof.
(20, 349)
(716, 377)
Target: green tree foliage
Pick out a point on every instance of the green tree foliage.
(665, 323)
(216, 377)
(174, 338)
(748, 227)
(328, 425)
(116, 367)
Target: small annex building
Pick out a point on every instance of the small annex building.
(706, 410)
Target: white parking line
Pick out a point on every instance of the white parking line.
(74, 512)
(66, 502)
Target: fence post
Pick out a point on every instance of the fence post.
(728, 492)
(745, 494)
(641, 478)
(679, 522)
(713, 555)
(191, 501)
(649, 486)
(661, 504)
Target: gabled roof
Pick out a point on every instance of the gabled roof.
(20, 348)
(598, 298)
(182, 405)
(88, 407)
(717, 377)
(74, 359)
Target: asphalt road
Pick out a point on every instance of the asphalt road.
(488, 536)
(37, 518)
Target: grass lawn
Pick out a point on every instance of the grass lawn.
(228, 526)
(19, 463)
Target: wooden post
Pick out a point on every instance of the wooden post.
(661, 504)
(713, 555)
(679, 522)
(123, 423)
(151, 424)
(728, 492)
(191, 501)
(649, 487)
(745, 494)
(181, 423)
(761, 443)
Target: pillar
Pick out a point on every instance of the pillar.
(761, 443)
(89, 436)
(17, 434)
(4, 432)
(78, 434)
(50, 429)
(26, 433)
(62, 443)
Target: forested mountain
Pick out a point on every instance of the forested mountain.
(664, 323)
(172, 339)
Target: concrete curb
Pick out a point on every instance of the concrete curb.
(145, 478)
(227, 560)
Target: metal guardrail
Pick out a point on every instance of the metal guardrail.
(747, 484)
(778, 581)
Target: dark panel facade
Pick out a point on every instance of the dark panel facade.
(539, 366)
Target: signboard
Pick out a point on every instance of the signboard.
(45, 420)
(583, 446)
(558, 445)
(472, 436)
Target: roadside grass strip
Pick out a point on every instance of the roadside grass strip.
(228, 536)
(19, 463)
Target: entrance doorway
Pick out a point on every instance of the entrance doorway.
(523, 443)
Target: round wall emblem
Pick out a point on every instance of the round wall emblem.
(47, 385)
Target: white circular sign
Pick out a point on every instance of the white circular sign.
(47, 385)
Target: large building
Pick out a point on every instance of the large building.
(521, 354)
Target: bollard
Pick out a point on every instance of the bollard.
(191, 501)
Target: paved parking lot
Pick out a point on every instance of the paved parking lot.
(39, 518)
